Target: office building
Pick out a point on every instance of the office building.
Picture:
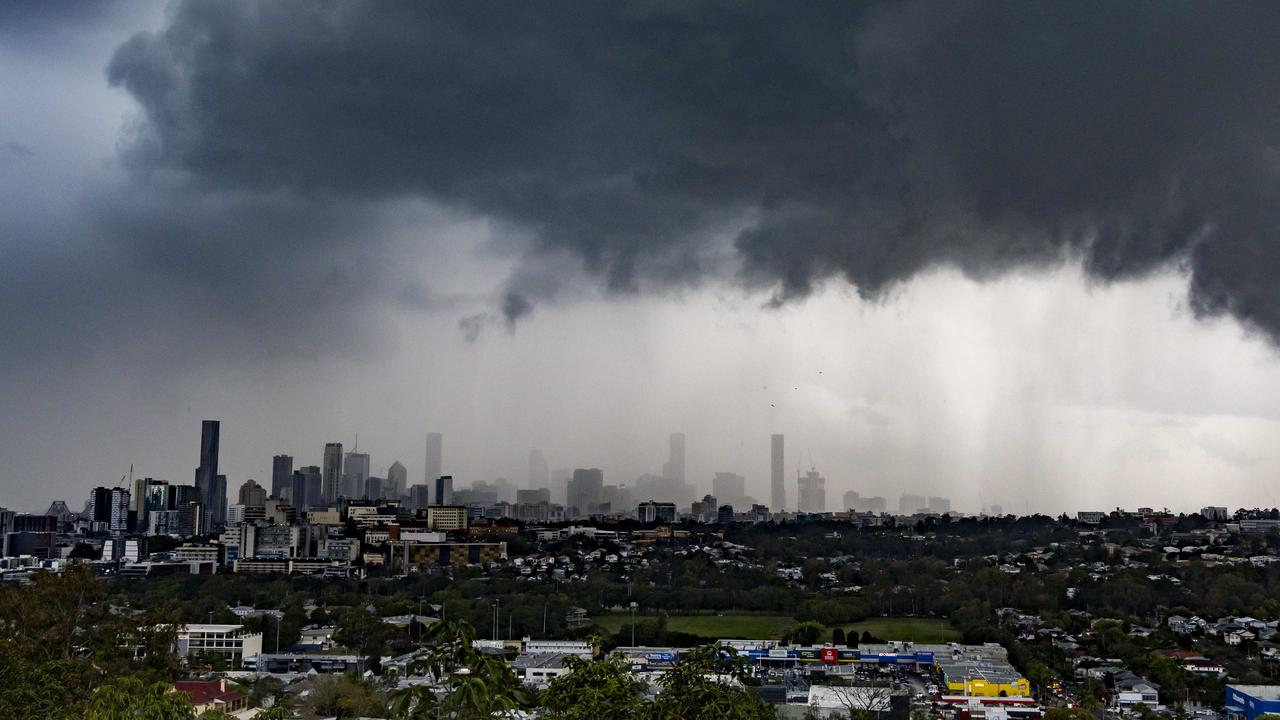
(355, 474)
(331, 472)
(281, 474)
(705, 510)
(419, 497)
(375, 488)
(533, 496)
(397, 481)
(939, 505)
(218, 508)
(729, 487)
(252, 494)
(443, 490)
(812, 495)
(446, 518)
(138, 499)
(1250, 702)
(539, 472)
(651, 512)
(229, 641)
(207, 472)
(435, 457)
(306, 490)
(584, 491)
(777, 483)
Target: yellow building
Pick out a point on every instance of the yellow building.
(983, 678)
(409, 556)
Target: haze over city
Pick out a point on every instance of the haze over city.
(584, 231)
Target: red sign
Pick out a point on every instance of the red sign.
(830, 655)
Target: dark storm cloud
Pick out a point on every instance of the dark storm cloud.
(865, 142)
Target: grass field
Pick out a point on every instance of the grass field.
(921, 630)
(729, 625)
(771, 627)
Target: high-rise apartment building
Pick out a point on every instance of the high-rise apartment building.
(331, 473)
(109, 509)
(909, 504)
(777, 482)
(281, 474)
(435, 457)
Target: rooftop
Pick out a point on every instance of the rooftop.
(1269, 693)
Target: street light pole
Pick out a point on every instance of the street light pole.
(633, 623)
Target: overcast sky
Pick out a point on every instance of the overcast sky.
(1021, 254)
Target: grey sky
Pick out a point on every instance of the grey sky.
(1014, 254)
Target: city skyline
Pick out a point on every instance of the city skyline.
(917, 259)
(808, 488)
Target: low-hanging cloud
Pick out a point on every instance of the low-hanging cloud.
(864, 141)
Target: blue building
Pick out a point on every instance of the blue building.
(1247, 702)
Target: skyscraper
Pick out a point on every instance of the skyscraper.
(435, 457)
(281, 474)
(109, 509)
(729, 487)
(253, 494)
(674, 468)
(419, 496)
(779, 485)
(539, 473)
(444, 490)
(397, 481)
(207, 472)
(355, 474)
(217, 511)
(584, 491)
(307, 488)
(332, 465)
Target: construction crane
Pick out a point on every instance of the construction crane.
(130, 476)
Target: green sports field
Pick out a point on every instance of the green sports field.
(771, 627)
(920, 630)
(729, 625)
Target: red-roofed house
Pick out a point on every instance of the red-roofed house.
(209, 695)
